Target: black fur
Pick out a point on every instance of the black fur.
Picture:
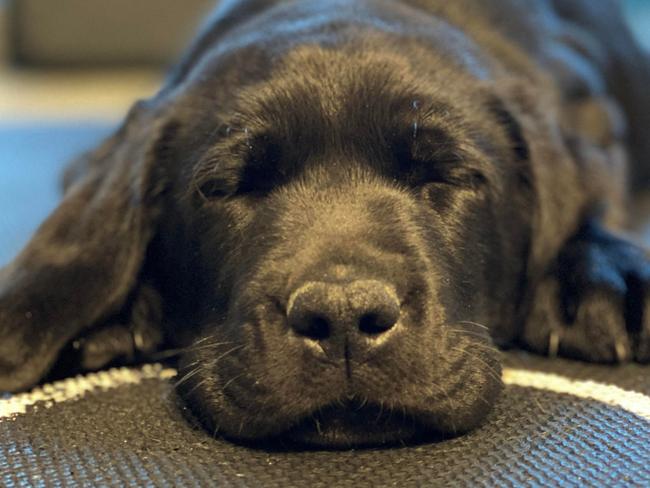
(335, 209)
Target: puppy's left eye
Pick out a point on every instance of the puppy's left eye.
(435, 168)
(435, 158)
(464, 177)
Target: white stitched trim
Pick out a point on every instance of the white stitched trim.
(632, 401)
(74, 388)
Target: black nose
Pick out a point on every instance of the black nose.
(320, 311)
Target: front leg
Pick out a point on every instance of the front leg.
(594, 302)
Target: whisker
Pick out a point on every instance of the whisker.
(227, 384)
(452, 403)
(208, 346)
(203, 339)
(490, 369)
(198, 385)
(381, 411)
(364, 401)
(470, 333)
(474, 323)
(228, 352)
(483, 346)
(199, 363)
(187, 376)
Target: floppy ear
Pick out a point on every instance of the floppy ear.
(554, 179)
(85, 258)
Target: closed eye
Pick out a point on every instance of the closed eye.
(213, 179)
(433, 156)
(263, 170)
(244, 166)
(425, 156)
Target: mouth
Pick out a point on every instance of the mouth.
(351, 424)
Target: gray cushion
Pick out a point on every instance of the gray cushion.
(130, 429)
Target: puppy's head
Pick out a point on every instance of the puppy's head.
(351, 228)
(335, 239)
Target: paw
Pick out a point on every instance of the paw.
(116, 344)
(131, 337)
(594, 304)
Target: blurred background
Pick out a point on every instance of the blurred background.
(69, 70)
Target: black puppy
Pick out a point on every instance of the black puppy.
(335, 207)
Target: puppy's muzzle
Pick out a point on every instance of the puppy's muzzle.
(339, 317)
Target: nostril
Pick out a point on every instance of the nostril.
(309, 312)
(314, 327)
(376, 323)
(307, 322)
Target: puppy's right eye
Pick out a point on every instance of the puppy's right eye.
(263, 169)
(215, 178)
(256, 178)
(216, 187)
(243, 165)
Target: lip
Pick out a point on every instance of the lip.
(349, 424)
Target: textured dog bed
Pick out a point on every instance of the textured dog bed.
(557, 423)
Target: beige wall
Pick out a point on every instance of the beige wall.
(4, 31)
(73, 32)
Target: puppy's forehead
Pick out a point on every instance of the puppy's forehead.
(338, 81)
(347, 94)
